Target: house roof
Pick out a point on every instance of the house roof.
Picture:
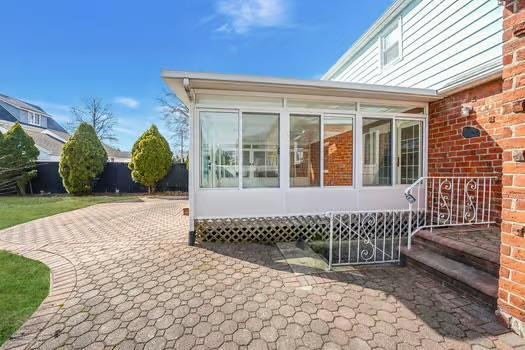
(391, 13)
(183, 82)
(52, 141)
(22, 104)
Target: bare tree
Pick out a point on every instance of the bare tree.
(97, 114)
(176, 117)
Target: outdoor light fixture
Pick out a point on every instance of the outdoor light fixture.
(410, 198)
(465, 111)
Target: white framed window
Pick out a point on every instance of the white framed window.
(239, 149)
(34, 118)
(390, 43)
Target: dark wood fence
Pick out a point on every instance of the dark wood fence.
(115, 176)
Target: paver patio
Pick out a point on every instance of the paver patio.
(124, 277)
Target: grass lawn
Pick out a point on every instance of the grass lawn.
(17, 210)
(24, 283)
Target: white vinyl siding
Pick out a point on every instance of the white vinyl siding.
(444, 43)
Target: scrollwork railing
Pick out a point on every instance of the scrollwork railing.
(450, 201)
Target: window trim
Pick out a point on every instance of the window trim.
(32, 118)
(421, 148)
(241, 153)
(353, 118)
(285, 113)
(395, 26)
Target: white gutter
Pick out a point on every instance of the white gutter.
(192, 78)
(485, 78)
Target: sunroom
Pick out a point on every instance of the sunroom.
(269, 157)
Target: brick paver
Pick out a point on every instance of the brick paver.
(123, 277)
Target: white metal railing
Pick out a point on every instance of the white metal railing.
(449, 201)
(367, 237)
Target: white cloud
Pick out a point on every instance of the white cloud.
(244, 15)
(127, 102)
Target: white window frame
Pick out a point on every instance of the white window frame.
(34, 118)
(394, 27)
(284, 117)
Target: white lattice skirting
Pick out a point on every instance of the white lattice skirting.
(285, 228)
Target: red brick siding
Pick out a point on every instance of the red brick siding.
(451, 154)
(512, 273)
(338, 159)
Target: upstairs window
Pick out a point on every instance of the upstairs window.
(34, 118)
(391, 44)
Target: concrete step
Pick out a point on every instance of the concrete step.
(479, 284)
(467, 254)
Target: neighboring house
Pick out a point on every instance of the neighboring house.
(428, 106)
(49, 136)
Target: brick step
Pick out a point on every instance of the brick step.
(479, 284)
(467, 254)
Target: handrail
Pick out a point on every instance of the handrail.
(450, 201)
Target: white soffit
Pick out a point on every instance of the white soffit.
(227, 82)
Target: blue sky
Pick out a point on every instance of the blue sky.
(57, 52)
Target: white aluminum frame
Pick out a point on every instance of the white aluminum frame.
(284, 165)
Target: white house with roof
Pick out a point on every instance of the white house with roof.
(49, 136)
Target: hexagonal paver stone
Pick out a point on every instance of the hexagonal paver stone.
(137, 324)
(286, 311)
(242, 337)
(302, 318)
(116, 336)
(343, 323)
(338, 336)
(357, 343)
(156, 313)
(240, 316)
(80, 329)
(186, 342)
(286, 343)
(319, 327)
(190, 320)
(82, 341)
(77, 319)
(174, 332)
(202, 329)
(156, 343)
(145, 334)
(165, 321)
(258, 344)
(214, 340)
(312, 340)
(254, 324)
(216, 318)
(228, 327)
(294, 330)
(278, 322)
(109, 326)
(269, 334)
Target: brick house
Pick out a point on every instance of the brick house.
(411, 148)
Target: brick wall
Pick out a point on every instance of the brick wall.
(451, 154)
(338, 159)
(511, 302)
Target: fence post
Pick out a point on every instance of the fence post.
(409, 244)
(331, 239)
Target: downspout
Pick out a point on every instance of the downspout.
(191, 193)
(187, 86)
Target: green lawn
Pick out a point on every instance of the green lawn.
(17, 210)
(24, 283)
